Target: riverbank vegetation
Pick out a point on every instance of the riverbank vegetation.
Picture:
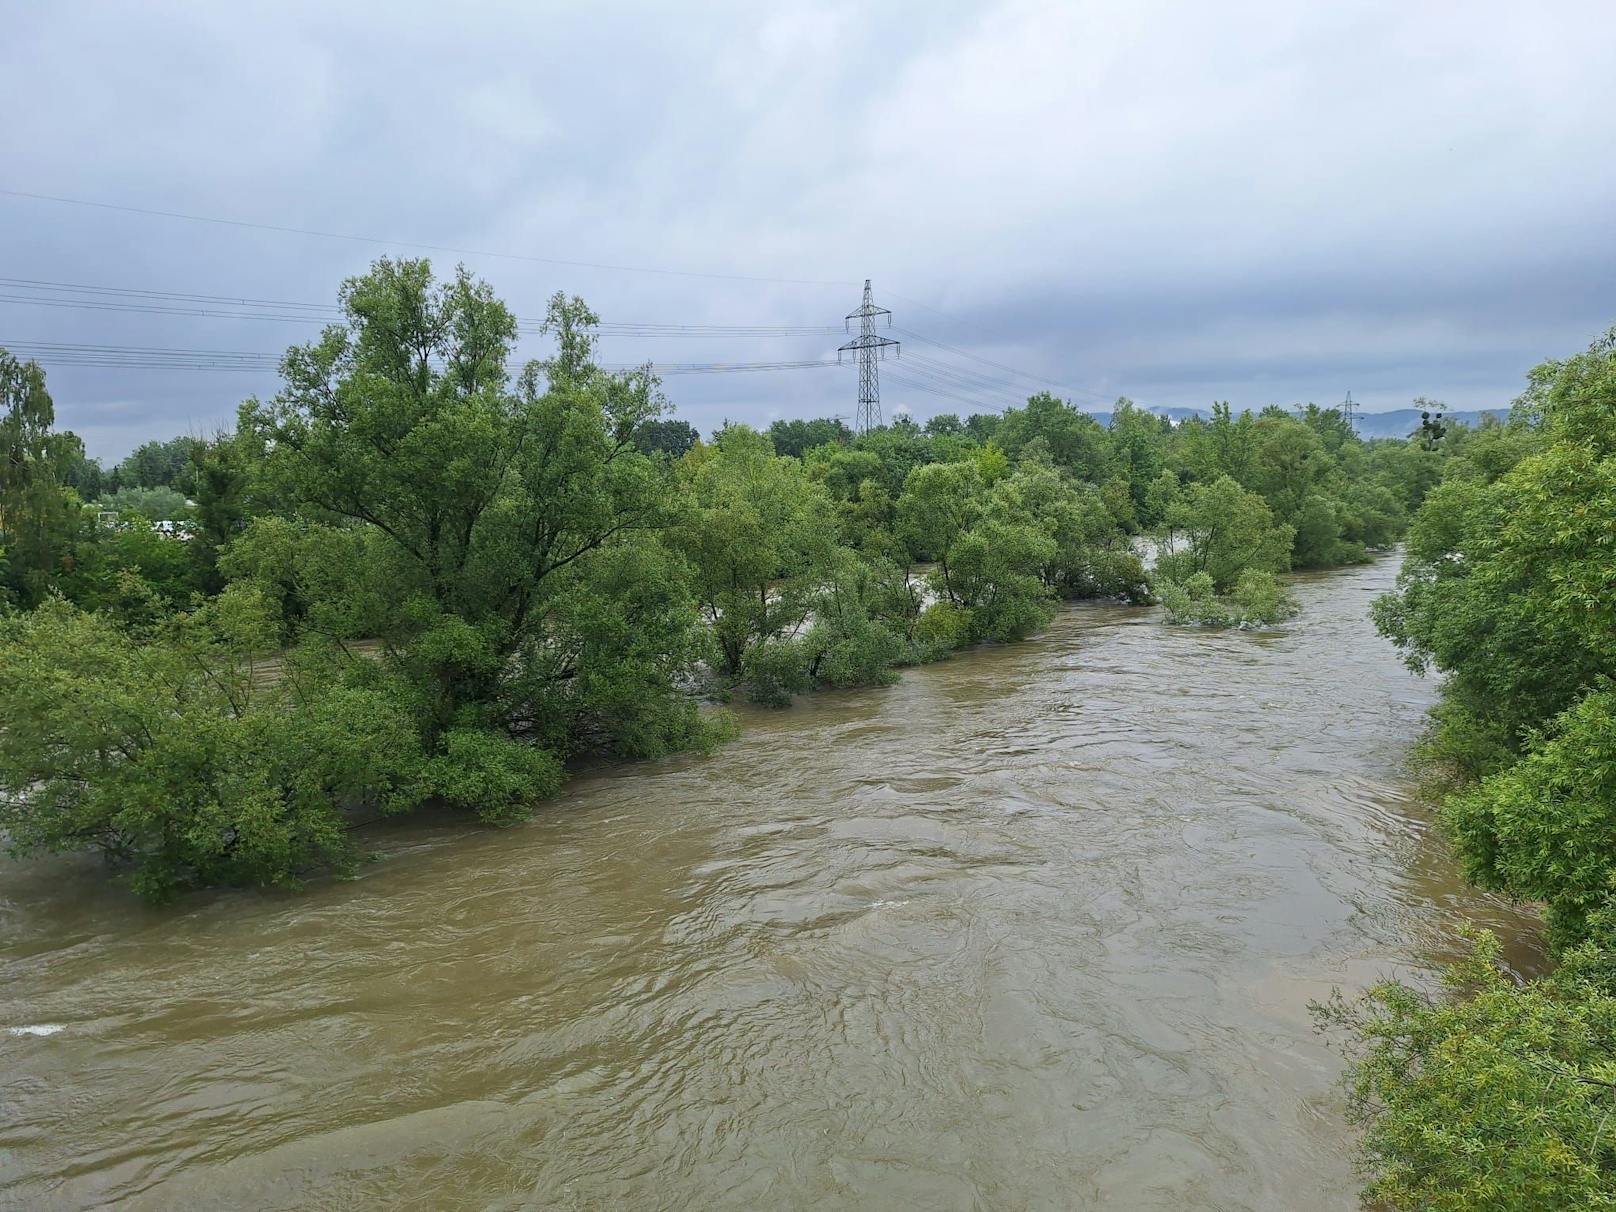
(1502, 1094)
(422, 574)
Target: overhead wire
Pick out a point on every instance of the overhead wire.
(986, 383)
(75, 353)
(42, 293)
(161, 303)
(415, 244)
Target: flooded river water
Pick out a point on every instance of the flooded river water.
(1035, 928)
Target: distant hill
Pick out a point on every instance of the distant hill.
(1401, 422)
(1398, 423)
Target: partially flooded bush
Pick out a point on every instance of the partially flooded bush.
(775, 670)
(944, 627)
(1257, 600)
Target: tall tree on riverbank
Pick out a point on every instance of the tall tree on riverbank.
(506, 516)
(39, 514)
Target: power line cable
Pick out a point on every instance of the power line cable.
(965, 353)
(158, 302)
(416, 244)
(77, 353)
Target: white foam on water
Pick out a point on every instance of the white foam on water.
(36, 1029)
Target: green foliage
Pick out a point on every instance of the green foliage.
(492, 775)
(863, 618)
(221, 477)
(1222, 530)
(1507, 583)
(945, 626)
(1499, 1095)
(758, 535)
(995, 575)
(1496, 1097)
(40, 518)
(156, 504)
(496, 569)
(776, 669)
(796, 438)
(175, 755)
(665, 436)
(1544, 829)
(1139, 443)
(161, 562)
(1092, 556)
(157, 465)
(991, 554)
(494, 505)
(619, 635)
(1076, 442)
(1257, 599)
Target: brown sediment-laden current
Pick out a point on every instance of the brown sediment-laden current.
(1035, 928)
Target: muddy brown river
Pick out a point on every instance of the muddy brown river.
(1035, 928)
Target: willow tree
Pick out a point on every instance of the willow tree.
(527, 600)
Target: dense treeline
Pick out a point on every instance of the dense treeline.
(1500, 1095)
(419, 574)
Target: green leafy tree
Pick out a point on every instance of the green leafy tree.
(1257, 599)
(1499, 1095)
(1092, 557)
(990, 556)
(176, 756)
(1076, 441)
(40, 517)
(1221, 446)
(796, 438)
(864, 616)
(995, 577)
(1544, 829)
(158, 504)
(940, 502)
(158, 465)
(900, 448)
(161, 563)
(494, 506)
(665, 436)
(982, 425)
(1505, 587)
(758, 534)
(1222, 530)
(1496, 1096)
(1138, 453)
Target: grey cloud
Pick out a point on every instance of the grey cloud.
(1259, 202)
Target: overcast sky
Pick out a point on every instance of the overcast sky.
(1265, 203)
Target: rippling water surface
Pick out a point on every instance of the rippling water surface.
(1035, 928)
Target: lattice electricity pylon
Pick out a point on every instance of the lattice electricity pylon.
(870, 349)
(1349, 411)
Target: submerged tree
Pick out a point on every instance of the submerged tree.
(507, 515)
(759, 535)
(1220, 529)
(174, 753)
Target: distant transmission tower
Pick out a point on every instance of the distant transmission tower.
(1349, 410)
(870, 349)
